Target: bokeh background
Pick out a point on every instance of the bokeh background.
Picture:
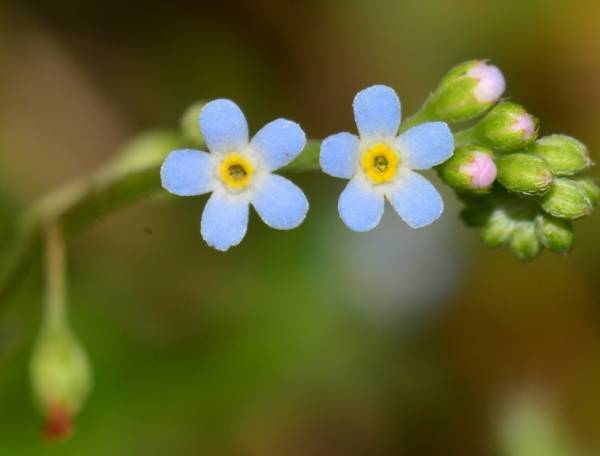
(316, 341)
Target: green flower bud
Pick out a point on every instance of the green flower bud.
(471, 168)
(524, 173)
(524, 242)
(591, 189)
(565, 155)
(498, 229)
(507, 127)
(555, 234)
(60, 377)
(566, 199)
(59, 369)
(467, 91)
(189, 124)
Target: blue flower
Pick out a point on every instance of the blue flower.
(380, 164)
(238, 172)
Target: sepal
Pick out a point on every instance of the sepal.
(498, 229)
(523, 242)
(565, 155)
(567, 199)
(524, 173)
(591, 189)
(555, 234)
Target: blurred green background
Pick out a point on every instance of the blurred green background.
(316, 341)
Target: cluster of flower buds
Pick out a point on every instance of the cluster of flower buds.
(518, 222)
(522, 191)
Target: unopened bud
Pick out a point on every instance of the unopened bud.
(591, 189)
(555, 234)
(190, 126)
(61, 379)
(524, 173)
(471, 168)
(565, 155)
(507, 127)
(467, 91)
(566, 199)
(524, 242)
(498, 228)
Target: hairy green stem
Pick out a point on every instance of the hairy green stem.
(465, 137)
(134, 174)
(56, 296)
(417, 118)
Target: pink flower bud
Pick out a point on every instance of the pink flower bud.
(481, 170)
(490, 85)
(525, 125)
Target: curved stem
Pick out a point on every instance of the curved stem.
(135, 174)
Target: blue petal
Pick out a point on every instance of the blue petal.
(417, 201)
(280, 203)
(224, 221)
(224, 126)
(279, 142)
(428, 144)
(187, 172)
(360, 206)
(338, 155)
(377, 112)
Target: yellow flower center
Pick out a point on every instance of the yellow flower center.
(236, 171)
(380, 163)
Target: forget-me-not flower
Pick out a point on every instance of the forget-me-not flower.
(380, 164)
(238, 172)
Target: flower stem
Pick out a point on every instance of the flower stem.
(417, 118)
(133, 175)
(76, 205)
(465, 137)
(55, 304)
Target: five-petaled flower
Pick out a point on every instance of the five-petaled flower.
(238, 172)
(380, 164)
